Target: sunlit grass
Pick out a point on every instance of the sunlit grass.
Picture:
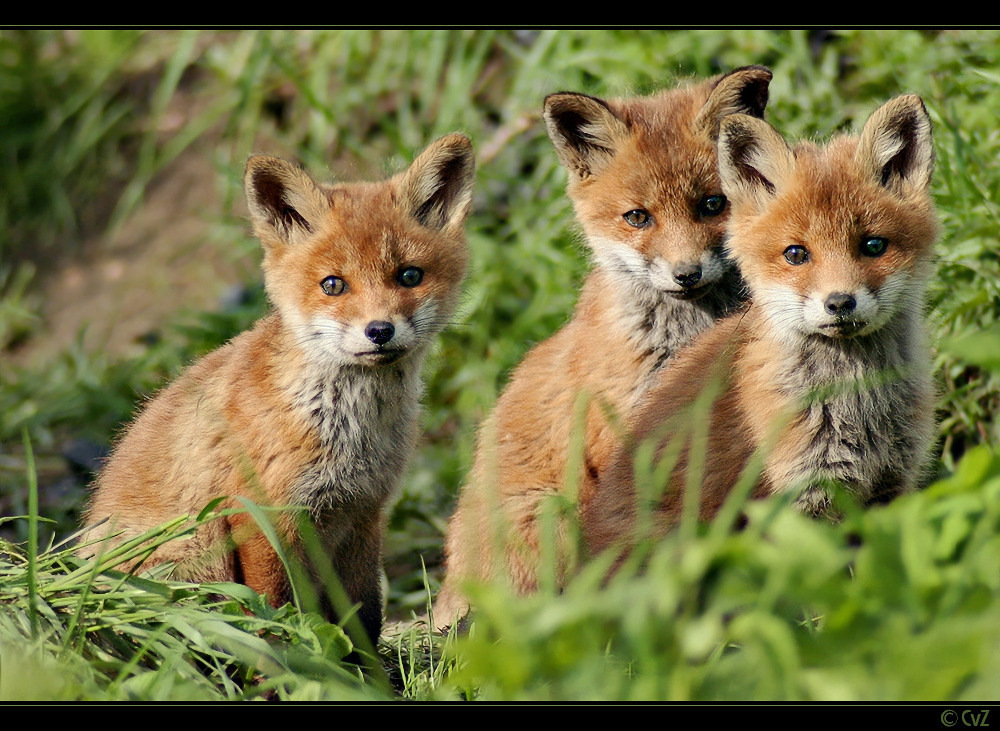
(789, 610)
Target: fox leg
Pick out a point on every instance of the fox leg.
(257, 563)
(357, 561)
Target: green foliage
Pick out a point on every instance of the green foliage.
(126, 638)
(896, 603)
(63, 113)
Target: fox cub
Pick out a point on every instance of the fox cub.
(645, 187)
(827, 372)
(316, 406)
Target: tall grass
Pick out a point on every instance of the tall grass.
(791, 609)
(118, 637)
(899, 603)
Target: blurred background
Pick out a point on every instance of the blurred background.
(125, 252)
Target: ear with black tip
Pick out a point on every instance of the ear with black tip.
(584, 130)
(285, 204)
(896, 146)
(754, 160)
(438, 184)
(741, 91)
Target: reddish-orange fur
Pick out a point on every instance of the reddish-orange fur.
(313, 411)
(653, 153)
(871, 438)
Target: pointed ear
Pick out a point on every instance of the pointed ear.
(742, 91)
(285, 204)
(895, 146)
(438, 184)
(754, 160)
(584, 130)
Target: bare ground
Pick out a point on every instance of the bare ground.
(166, 257)
(169, 256)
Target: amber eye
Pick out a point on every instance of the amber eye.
(712, 205)
(333, 286)
(410, 276)
(874, 246)
(796, 255)
(638, 218)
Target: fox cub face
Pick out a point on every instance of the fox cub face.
(644, 181)
(835, 241)
(364, 273)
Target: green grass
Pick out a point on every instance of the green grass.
(896, 603)
(125, 638)
(788, 609)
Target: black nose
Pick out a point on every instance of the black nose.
(840, 304)
(380, 332)
(687, 275)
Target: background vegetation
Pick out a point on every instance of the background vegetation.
(901, 602)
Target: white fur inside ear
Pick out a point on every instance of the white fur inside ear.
(584, 132)
(896, 145)
(285, 204)
(438, 184)
(754, 160)
(885, 147)
(743, 91)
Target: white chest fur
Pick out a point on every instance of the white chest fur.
(365, 420)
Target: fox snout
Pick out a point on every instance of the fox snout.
(842, 312)
(381, 342)
(845, 317)
(840, 304)
(379, 332)
(687, 278)
(390, 344)
(687, 274)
